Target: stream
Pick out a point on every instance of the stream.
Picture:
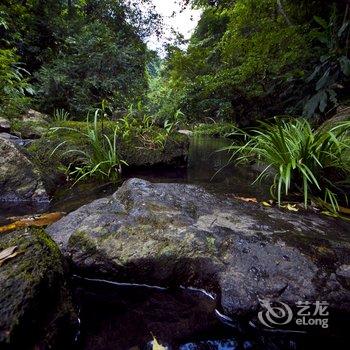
(124, 317)
(206, 167)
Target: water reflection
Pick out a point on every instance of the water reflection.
(115, 317)
(211, 168)
(213, 345)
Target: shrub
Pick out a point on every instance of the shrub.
(13, 85)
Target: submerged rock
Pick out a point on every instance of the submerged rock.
(35, 305)
(20, 179)
(175, 234)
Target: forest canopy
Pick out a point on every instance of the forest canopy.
(266, 73)
(253, 59)
(247, 59)
(75, 53)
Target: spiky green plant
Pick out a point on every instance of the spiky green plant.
(301, 156)
(102, 158)
(60, 115)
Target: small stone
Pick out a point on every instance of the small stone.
(5, 125)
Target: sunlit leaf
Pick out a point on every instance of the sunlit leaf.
(246, 199)
(290, 207)
(32, 221)
(156, 345)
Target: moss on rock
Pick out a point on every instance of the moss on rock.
(153, 147)
(35, 304)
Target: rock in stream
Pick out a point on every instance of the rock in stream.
(36, 310)
(175, 234)
(20, 179)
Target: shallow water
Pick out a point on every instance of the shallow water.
(212, 169)
(126, 318)
(206, 167)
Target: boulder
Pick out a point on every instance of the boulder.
(36, 311)
(20, 179)
(31, 125)
(138, 155)
(176, 234)
(15, 139)
(34, 116)
(342, 115)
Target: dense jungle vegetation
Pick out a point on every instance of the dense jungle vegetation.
(247, 61)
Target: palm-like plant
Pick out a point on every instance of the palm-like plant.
(302, 157)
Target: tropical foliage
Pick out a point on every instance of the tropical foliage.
(252, 59)
(95, 145)
(101, 158)
(315, 162)
(246, 62)
(14, 86)
(79, 52)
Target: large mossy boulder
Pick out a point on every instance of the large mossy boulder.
(36, 310)
(175, 234)
(20, 178)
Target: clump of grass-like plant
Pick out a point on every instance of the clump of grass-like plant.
(60, 115)
(315, 162)
(101, 159)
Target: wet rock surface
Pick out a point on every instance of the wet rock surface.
(20, 179)
(35, 305)
(174, 234)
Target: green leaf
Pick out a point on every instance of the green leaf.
(323, 102)
(345, 65)
(343, 28)
(321, 22)
(314, 102)
(324, 81)
(314, 74)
